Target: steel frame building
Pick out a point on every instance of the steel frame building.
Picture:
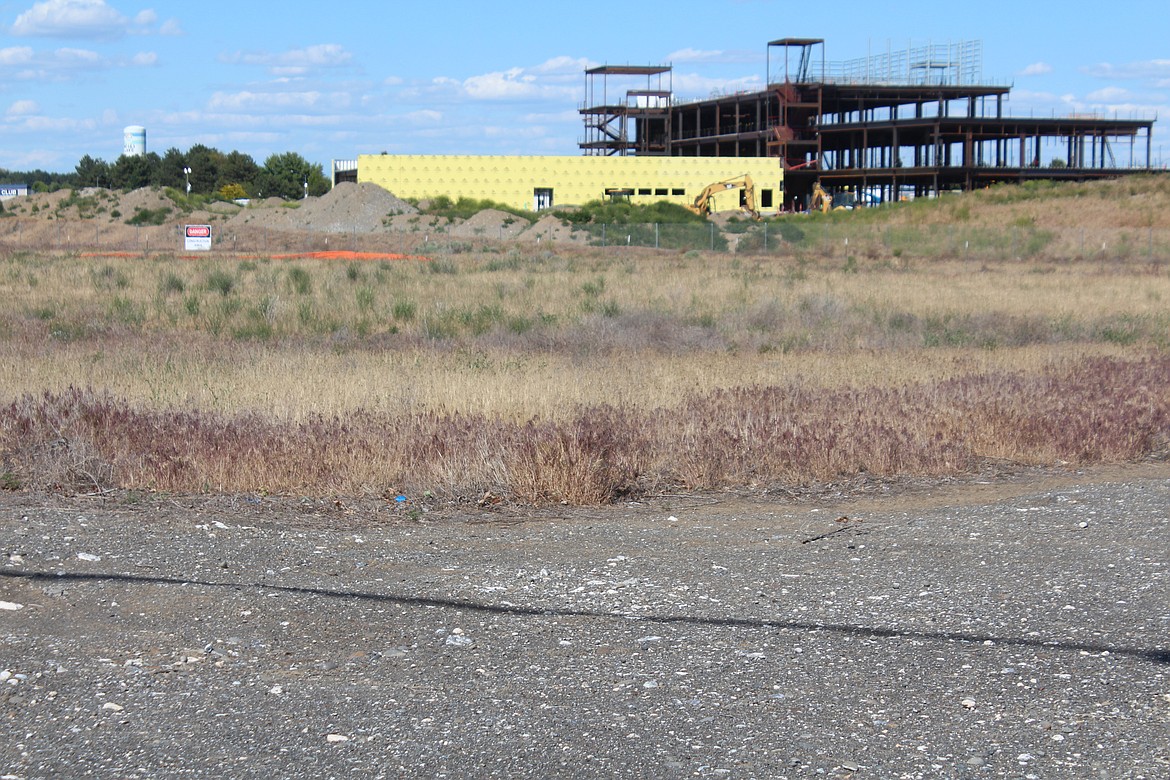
(913, 122)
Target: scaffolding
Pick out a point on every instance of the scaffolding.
(637, 122)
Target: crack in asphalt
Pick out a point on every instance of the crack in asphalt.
(1157, 656)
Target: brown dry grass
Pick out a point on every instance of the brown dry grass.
(578, 375)
(1104, 410)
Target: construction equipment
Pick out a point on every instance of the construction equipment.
(821, 200)
(702, 205)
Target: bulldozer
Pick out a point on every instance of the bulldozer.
(702, 205)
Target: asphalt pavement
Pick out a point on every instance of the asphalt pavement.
(1014, 630)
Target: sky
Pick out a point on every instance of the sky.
(460, 77)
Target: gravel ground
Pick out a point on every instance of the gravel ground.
(1017, 629)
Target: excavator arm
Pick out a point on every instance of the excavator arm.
(702, 205)
(821, 200)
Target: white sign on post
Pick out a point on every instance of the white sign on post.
(197, 238)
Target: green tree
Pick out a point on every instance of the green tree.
(93, 173)
(130, 172)
(239, 168)
(286, 176)
(170, 169)
(204, 163)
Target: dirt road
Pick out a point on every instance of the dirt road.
(1017, 629)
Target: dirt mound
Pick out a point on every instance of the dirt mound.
(552, 229)
(267, 214)
(491, 223)
(145, 198)
(347, 208)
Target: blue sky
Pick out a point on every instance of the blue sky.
(459, 77)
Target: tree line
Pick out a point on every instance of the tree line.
(209, 172)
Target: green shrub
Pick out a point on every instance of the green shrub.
(301, 281)
(221, 282)
(150, 216)
(404, 310)
(619, 213)
(171, 284)
(465, 208)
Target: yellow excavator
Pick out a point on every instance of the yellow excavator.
(702, 205)
(821, 200)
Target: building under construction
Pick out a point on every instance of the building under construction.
(896, 124)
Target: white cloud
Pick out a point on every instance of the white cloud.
(22, 108)
(268, 102)
(78, 58)
(40, 158)
(573, 66)
(16, 56)
(554, 79)
(21, 63)
(691, 85)
(502, 85)
(1110, 95)
(294, 62)
(1037, 69)
(424, 117)
(45, 124)
(71, 19)
(688, 55)
(1146, 69)
(171, 27)
(694, 55)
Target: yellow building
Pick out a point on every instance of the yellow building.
(536, 183)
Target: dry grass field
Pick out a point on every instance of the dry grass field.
(582, 374)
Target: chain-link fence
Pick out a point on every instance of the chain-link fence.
(839, 238)
(798, 236)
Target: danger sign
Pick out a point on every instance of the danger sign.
(197, 238)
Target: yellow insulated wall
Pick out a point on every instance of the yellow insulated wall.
(534, 183)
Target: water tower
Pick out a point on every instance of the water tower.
(134, 141)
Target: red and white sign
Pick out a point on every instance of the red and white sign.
(197, 238)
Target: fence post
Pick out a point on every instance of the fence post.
(712, 236)
(656, 235)
(765, 238)
(603, 234)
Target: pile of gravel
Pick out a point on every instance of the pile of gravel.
(347, 208)
(491, 224)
